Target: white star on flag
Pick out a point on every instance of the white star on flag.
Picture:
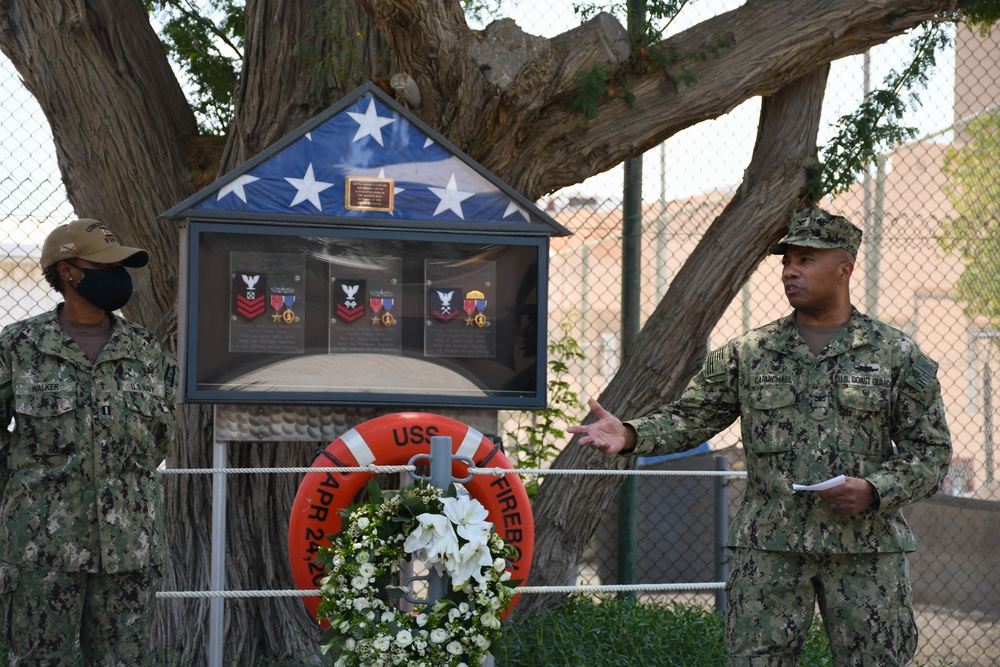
(514, 208)
(451, 198)
(236, 187)
(370, 124)
(308, 188)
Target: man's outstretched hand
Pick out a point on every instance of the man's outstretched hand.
(608, 434)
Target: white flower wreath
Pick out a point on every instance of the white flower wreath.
(449, 534)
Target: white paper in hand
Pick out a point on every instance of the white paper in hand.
(821, 486)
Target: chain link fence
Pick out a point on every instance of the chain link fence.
(941, 187)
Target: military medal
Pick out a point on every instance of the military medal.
(277, 302)
(288, 317)
(382, 300)
(474, 305)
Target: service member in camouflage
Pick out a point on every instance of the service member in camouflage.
(825, 391)
(91, 398)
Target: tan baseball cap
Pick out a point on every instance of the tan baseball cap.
(90, 240)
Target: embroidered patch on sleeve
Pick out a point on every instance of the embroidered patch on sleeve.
(924, 371)
(715, 364)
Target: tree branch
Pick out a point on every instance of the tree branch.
(519, 123)
(567, 512)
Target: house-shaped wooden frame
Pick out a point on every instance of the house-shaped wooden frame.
(363, 259)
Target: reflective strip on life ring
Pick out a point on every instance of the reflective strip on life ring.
(393, 440)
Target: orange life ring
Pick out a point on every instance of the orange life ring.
(393, 440)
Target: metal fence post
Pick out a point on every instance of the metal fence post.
(437, 584)
(721, 530)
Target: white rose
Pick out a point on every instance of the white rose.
(455, 648)
(367, 570)
(421, 620)
(438, 635)
(464, 607)
(404, 638)
(482, 642)
(360, 604)
(499, 565)
(382, 643)
(490, 620)
(387, 616)
(363, 522)
(359, 582)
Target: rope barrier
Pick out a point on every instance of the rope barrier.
(374, 469)
(496, 472)
(641, 473)
(302, 470)
(524, 590)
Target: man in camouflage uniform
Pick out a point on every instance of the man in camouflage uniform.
(823, 392)
(91, 398)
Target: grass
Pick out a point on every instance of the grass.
(611, 632)
(620, 632)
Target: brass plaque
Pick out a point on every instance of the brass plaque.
(369, 194)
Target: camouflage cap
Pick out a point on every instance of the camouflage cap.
(90, 240)
(815, 228)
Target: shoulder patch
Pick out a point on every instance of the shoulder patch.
(715, 364)
(923, 373)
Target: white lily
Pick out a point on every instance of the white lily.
(468, 515)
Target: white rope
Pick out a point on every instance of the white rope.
(374, 469)
(606, 588)
(642, 473)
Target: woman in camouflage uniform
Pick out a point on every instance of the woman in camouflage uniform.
(91, 398)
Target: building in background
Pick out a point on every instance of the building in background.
(903, 276)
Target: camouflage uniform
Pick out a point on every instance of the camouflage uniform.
(80, 519)
(868, 406)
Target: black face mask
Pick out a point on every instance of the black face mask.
(107, 290)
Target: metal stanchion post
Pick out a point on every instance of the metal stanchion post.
(721, 531)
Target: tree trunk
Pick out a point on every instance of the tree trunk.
(287, 79)
(566, 511)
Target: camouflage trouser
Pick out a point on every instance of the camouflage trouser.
(41, 613)
(864, 599)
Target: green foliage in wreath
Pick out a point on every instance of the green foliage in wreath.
(450, 534)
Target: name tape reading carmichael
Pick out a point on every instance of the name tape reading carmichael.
(369, 194)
